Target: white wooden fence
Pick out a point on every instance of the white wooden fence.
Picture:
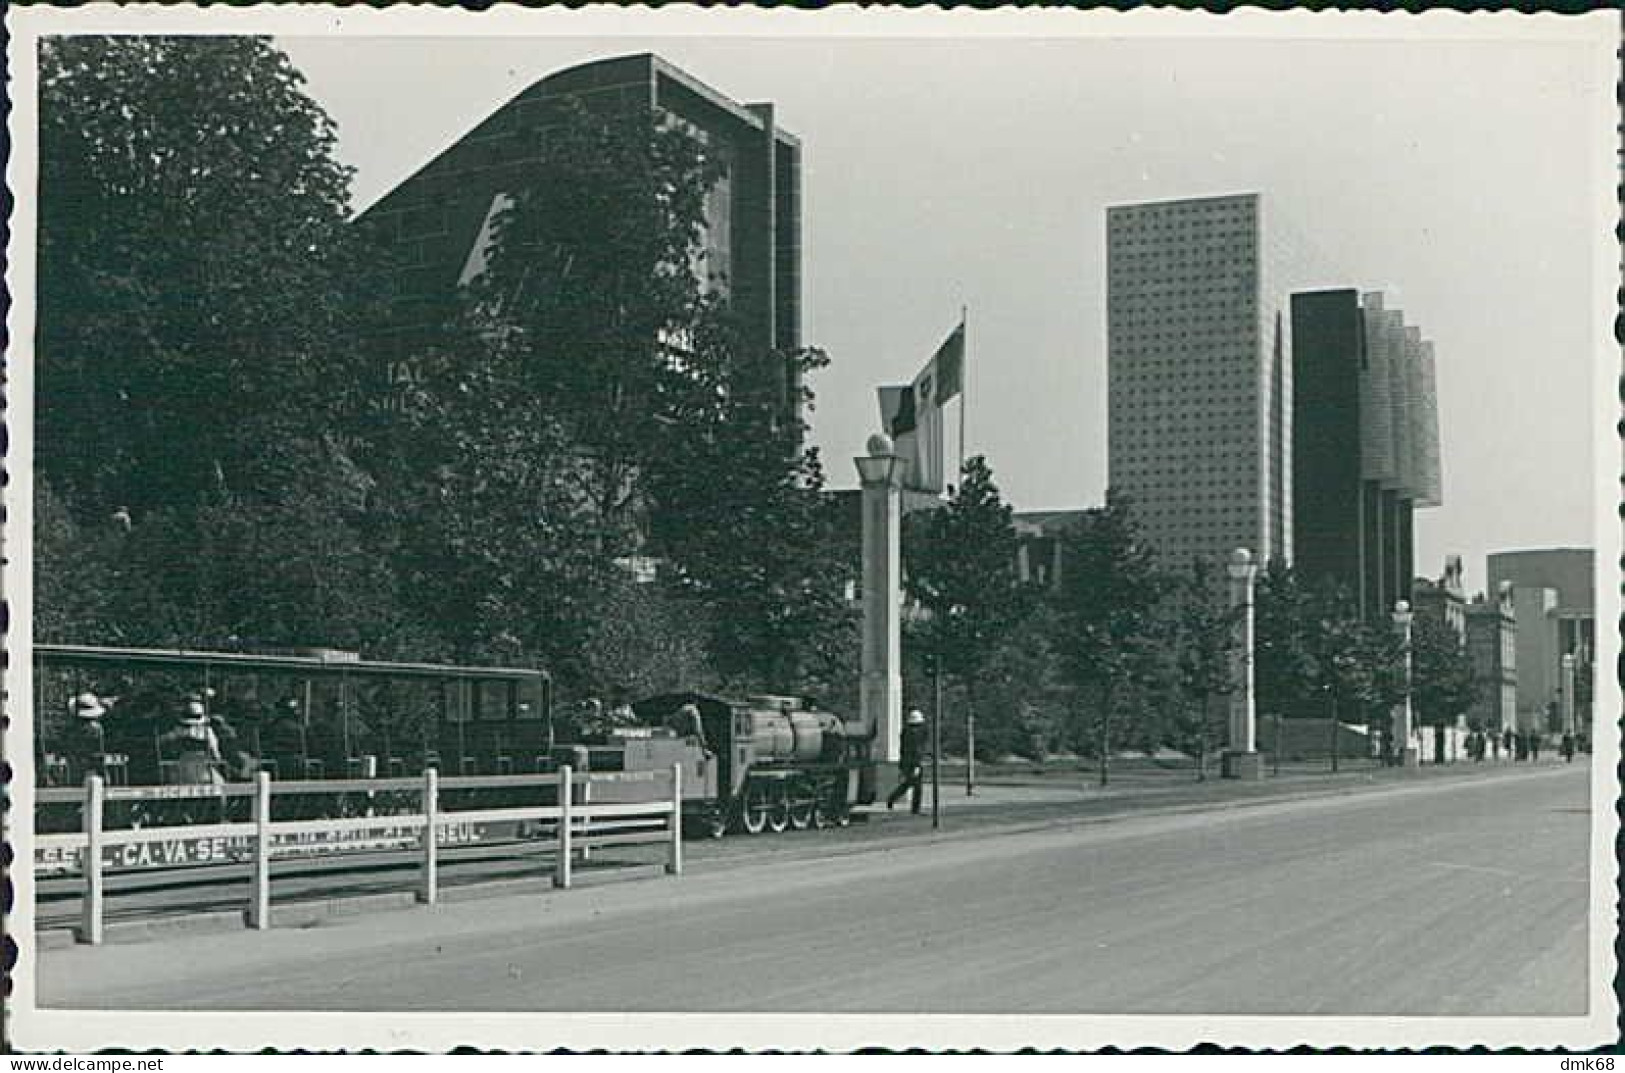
(578, 825)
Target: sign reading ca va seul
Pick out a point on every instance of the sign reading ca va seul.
(181, 851)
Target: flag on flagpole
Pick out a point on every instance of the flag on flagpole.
(912, 413)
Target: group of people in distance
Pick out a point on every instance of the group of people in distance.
(1516, 746)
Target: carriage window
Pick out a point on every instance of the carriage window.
(531, 698)
(493, 699)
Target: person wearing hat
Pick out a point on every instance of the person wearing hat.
(197, 760)
(687, 723)
(911, 766)
(89, 737)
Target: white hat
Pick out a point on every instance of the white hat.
(194, 712)
(916, 716)
(88, 706)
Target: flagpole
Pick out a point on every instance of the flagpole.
(964, 393)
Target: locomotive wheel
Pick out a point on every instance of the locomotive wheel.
(753, 816)
(803, 809)
(778, 814)
(715, 823)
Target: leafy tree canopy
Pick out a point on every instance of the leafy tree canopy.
(195, 271)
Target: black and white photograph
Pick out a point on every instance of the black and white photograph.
(728, 528)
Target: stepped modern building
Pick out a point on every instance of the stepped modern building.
(1365, 447)
(437, 225)
(1199, 417)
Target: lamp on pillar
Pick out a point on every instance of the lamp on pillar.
(1568, 693)
(881, 474)
(1241, 759)
(1406, 753)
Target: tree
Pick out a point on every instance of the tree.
(739, 516)
(492, 538)
(1284, 665)
(196, 270)
(1443, 685)
(1203, 627)
(959, 565)
(1020, 700)
(1107, 603)
(597, 289)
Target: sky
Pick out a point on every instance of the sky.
(1465, 169)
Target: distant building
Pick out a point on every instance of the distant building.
(1199, 382)
(1555, 593)
(437, 225)
(1443, 600)
(1038, 547)
(1365, 444)
(1493, 628)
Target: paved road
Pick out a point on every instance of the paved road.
(1446, 897)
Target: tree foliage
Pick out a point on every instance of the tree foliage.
(1203, 630)
(959, 566)
(195, 266)
(1107, 604)
(1443, 683)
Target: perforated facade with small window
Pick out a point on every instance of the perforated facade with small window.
(1199, 384)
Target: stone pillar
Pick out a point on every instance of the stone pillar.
(881, 697)
(1568, 693)
(1241, 759)
(1405, 751)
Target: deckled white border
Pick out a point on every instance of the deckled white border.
(83, 1031)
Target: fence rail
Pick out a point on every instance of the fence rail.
(575, 823)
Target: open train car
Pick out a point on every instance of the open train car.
(307, 714)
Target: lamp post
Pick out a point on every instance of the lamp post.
(1241, 759)
(1568, 693)
(880, 472)
(1404, 752)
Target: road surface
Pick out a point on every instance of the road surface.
(1442, 898)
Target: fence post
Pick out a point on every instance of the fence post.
(429, 881)
(90, 929)
(259, 910)
(586, 818)
(561, 866)
(369, 770)
(674, 866)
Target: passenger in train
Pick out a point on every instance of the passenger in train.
(687, 723)
(197, 760)
(89, 737)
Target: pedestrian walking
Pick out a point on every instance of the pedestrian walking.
(1506, 741)
(1568, 748)
(1534, 747)
(911, 767)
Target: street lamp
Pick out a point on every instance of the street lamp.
(882, 467)
(1407, 754)
(881, 473)
(1241, 760)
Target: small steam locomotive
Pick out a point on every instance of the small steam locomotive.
(761, 763)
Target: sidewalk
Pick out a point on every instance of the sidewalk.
(1006, 802)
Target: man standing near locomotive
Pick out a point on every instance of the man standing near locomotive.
(911, 764)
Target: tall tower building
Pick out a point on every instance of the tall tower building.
(1365, 445)
(437, 224)
(1199, 385)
